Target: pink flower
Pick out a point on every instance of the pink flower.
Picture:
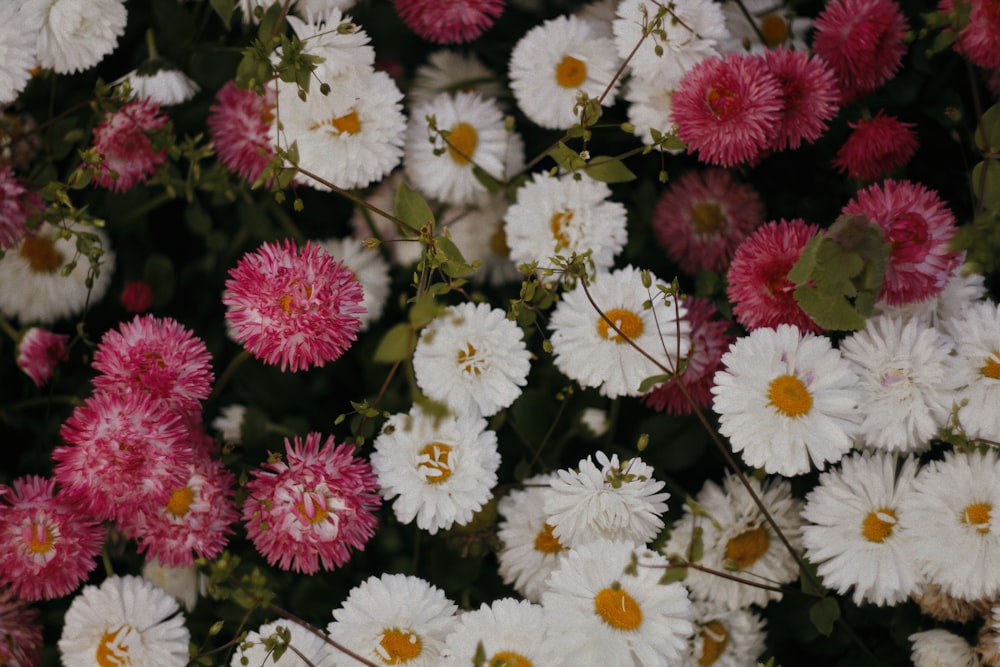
(17, 204)
(709, 341)
(449, 21)
(39, 352)
(20, 632)
(862, 40)
(313, 510)
(158, 357)
(729, 110)
(123, 138)
(125, 450)
(919, 228)
(49, 546)
(137, 296)
(702, 217)
(877, 146)
(293, 308)
(810, 93)
(979, 39)
(759, 289)
(239, 123)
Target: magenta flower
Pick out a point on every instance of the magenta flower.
(296, 309)
(449, 21)
(48, 545)
(20, 632)
(314, 509)
(810, 92)
(877, 146)
(919, 228)
(979, 39)
(17, 204)
(39, 352)
(137, 296)
(123, 138)
(239, 123)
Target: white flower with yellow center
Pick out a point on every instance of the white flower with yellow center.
(124, 621)
(724, 638)
(731, 535)
(977, 359)
(342, 46)
(952, 519)
(440, 470)
(852, 532)
(472, 359)
(556, 61)
(772, 20)
(594, 353)
(394, 619)
(303, 647)
(563, 216)
(470, 133)
(786, 401)
(514, 633)
(649, 107)
(609, 608)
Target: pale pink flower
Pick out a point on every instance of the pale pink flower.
(20, 632)
(239, 123)
(17, 203)
(876, 147)
(313, 509)
(39, 352)
(810, 92)
(123, 138)
(449, 21)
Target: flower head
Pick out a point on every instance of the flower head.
(18, 52)
(371, 271)
(979, 38)
(239, 123)
(876, 147)
(123, 139)
(76, 34)
(39, 352)
(160, 82)
(449, 21)
(20, 632)
(937, 647)
(509, 631)
(17, 203)
(810, 93)
(450, 71)
(137, 296)
(976, 333)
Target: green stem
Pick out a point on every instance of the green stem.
(227, 374)
(42, 401)
(151, 44)
(10, 330)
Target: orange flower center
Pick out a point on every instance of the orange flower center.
(775, 29)
(547, 542)
(114, 647)
(462, 142)
(714, 640)
(434, 461)
(349, 123)
(41, 254)
(313, 507)
(498, 243)
(878, 525)
(722, 103)
(789, 395)
(747, 547)
(558, 225)
(180, 501)
(468, 361)
(628, 322)
(509, 659)
(39, 538)
(398, 646)
(707, 218)
(570, 72)
(617, 608)
(992, 367)
(978, 515)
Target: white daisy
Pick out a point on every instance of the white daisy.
(556, 61)
(442, 470)
(343, 46)
(565, 216)
(160, 82)
(965, 288)
(608, 613)
(125, 620)
(451, 72)
(473, 359)
(229, 423)
(371, 271)
(599, 14)
(724, 638)
(738, 540)
(477, 137)
(612, 500)
(303, 647)
(852, 533)
(950, 520)
(394, 619)
(691, 32)
(320, 7)
(478, 231)
(368, 224)
(351, 137)
(185, 584)
(530, 551)
(977, 360)
(940, 648)
(596, 421)
(786, 401)
(35, 290)
(77, 34)
(510, 632)
(774, 20)
(649, 107)
(18, 39)
(906, 382)
(587, 349)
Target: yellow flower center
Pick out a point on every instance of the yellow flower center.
(722, 103)
(498, 243)
(878, 525)
(41, 254)
(775, 29)
(992, 367)
(462, 142)
(570, 72)
(547, 542)
(714, 640)
(617, 608)
(706, 218)
(468, 361)
(114, 647)
(180, 501)
(509, 659)
(313, 507)
(978, 516)
(628, 322)
(398, 646)
(349, 123)
(747, 547)
(40, 539)
(558, 224)
(789, 395)
(434, 461)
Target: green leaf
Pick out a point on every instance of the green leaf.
(454, 264)
(672, 574)
(824, 614)
(652, 381)
(412, 209)
(608, 170)
(397, 344)
(829, 311)
(987, 188)
(696, 549)
(989, 130)
(809, 578)
(491, 184)
(224, 8)
(567, 158)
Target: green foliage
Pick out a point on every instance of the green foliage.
(824, 614)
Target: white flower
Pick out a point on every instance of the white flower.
(451, 72)
(599, 14)
(724, 638)
(343, 51)
(478, 232)
(776, 22)
(786, 401)
(368, 224)
(183, 583)
(587, 349)
(472, 359)
(351, 137)
(691, 32)
(477, 137)
(160, 82)
(940, 648)
(394, 619)
(18, 54)
(977, 359)
(229, 423)
(853, 532)
(650, 104)
(596, 421)
(371, 271)
(556, 61)
(34, 289)
(530, 552)
(77, 34)
(616, 501)
(608, 613)
(127, 621)
(951, 521)
(737, 539)
(906, 382)
(442, 470)
(563, 216)
(304, 648)
(507, 629)
(319, 7)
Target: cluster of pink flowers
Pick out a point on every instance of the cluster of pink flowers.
(123, 139)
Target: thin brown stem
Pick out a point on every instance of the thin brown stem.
(278, 611)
